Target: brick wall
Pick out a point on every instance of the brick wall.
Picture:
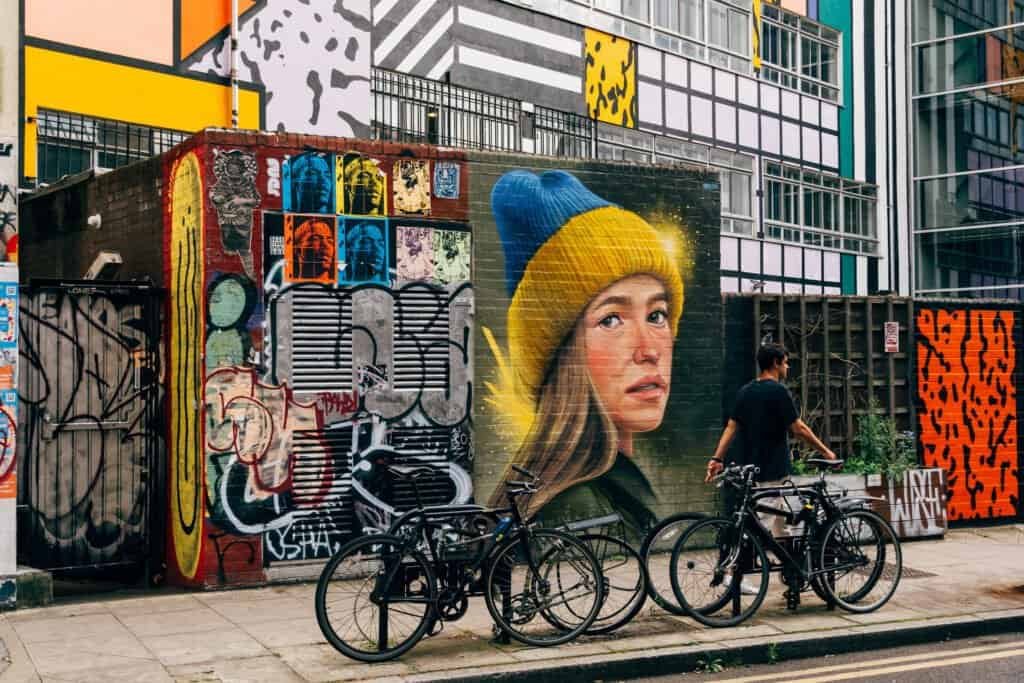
(56, 241)
(969, 374)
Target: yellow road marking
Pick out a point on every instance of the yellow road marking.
(864, 673)
(876, 663)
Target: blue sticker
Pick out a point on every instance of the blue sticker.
(446, 180)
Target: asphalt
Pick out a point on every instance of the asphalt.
(970, 583)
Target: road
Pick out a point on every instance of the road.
(993, 658)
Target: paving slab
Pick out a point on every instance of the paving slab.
(266, 668)
(203, 646)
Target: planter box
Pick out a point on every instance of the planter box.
(915, 506)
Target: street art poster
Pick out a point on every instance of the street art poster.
(611, 87)
(364, 242)
(414, 253)
(361, 186)
(966, 369)
(8, 326)
(309, 183)
(234, 197)
(8, 199)
(411, 187)
(309, 248)
(229, 306)
(446, 180)
(590, 364)
(452, 255)
(8, 442)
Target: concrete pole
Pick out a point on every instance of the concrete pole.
(9, 175)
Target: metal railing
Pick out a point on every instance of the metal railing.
(412, 109)
(69, 143)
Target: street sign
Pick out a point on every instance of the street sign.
(892, 337)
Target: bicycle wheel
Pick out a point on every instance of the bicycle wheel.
(545, 588)
(656, 551)
(375, 599)
(719, 579)
(625, 582)
(860, 561)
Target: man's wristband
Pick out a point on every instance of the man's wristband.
(718, 460)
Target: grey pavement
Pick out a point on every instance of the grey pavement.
(972, 577)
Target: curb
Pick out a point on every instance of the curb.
(686, 659)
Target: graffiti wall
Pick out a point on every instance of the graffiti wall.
(967, 376)
(599, 367)
(91, 435)
(321, 320)
(303, 65)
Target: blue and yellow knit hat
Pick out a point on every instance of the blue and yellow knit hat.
(563, 245)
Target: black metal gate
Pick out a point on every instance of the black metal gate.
(90, 437)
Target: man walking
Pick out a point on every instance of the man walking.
(763, 416)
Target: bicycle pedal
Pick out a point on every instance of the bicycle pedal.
(435, 628)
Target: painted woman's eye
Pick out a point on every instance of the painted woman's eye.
(658, 317)
(610, 321)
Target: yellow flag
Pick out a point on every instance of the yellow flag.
(755, 37)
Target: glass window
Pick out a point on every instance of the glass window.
(635, 9)
(968, 131)
(728, 27)
(933, 19)
(666, 14)
(963, 200)
(691, 21)
(735, 193)
(983, 258)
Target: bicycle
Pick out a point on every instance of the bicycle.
(625, 576)
(380, 594)
(847, 554)
(656, 546)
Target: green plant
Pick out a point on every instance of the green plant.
(880, 448)
(710, 666)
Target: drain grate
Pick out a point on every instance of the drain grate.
(889, 571)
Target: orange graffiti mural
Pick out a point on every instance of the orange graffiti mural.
(968, 419)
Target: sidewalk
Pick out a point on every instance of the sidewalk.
(969, 582)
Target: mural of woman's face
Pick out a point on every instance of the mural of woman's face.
(315, 248)
(628, 342)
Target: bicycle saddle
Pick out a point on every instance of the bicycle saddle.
(823, 462)
(411, 471)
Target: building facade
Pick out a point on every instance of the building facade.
(966, 171)
(764, 93)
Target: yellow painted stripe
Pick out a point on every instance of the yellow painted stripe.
(81, 85)
(927, 656)
(934, 664)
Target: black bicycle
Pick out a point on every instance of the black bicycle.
(656, 553)
(847, 554)
(379, 595)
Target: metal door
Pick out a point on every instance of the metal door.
(90, 437)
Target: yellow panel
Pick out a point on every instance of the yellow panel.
(65, 82)
(185, 448)
(611, 79)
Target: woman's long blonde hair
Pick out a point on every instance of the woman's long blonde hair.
(572, 438)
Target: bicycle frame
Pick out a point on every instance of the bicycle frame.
(748, 522)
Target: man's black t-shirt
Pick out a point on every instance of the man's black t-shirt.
(764, 410)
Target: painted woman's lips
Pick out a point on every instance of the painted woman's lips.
(650, 387)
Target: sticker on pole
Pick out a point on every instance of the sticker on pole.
(892, 337)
